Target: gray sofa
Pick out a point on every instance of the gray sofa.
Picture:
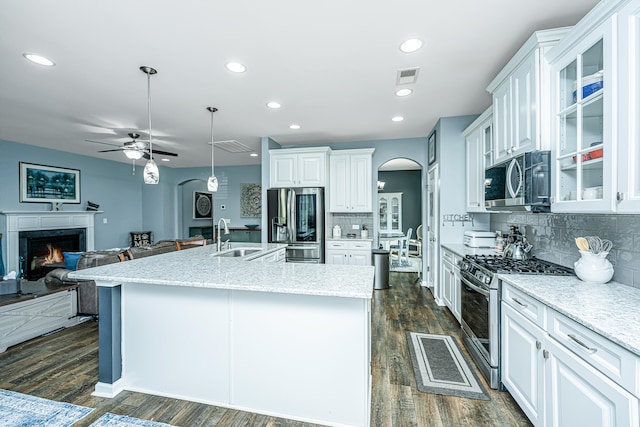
(87, 289)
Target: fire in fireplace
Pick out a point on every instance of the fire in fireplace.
(42, 249)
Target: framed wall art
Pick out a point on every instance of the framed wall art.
(202, 205)
(251, 201)
(49, 184)
(431, 148)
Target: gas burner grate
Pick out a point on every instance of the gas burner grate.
(498, 264)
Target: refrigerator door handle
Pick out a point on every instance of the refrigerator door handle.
(291, 216)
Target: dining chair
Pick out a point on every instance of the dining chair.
(417, 242)
(403, 245)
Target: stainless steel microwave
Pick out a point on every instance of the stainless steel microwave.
(520, 183)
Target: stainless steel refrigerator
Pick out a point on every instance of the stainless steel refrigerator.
(296, 217)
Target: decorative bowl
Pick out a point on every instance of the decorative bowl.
(252, 225)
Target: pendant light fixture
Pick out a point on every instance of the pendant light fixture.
(151, 173)
(212, 182)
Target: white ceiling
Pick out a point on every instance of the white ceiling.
(331, 64)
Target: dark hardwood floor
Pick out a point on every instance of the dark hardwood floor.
(63, 366)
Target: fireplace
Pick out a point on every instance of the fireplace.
(43, 250)
(51, 221)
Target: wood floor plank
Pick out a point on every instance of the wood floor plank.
(64, 366)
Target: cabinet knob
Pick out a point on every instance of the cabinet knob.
(538, 345)
(545, 354)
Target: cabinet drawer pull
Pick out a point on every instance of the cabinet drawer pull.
(586, 347)
(519, 302)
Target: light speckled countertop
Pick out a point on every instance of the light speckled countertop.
(198, 267)
(611, 309)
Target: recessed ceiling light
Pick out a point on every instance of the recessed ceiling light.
(236, 67)
(411, 45)
(403, 92)
(397, 119)
(254, 154)
(273, 104)
(165, 160)
(39, 59)
(294, 126)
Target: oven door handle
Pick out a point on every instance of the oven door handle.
(476, 288)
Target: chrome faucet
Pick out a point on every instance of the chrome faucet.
(226, 231)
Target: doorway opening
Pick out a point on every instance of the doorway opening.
(399, 214)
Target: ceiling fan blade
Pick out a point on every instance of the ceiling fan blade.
(100, 142)
(146, 156)
(164, 153)
(107, 151)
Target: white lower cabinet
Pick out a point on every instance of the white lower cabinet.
(579, 395)
(24, 320)
(556, 381)
(451, 282)
(522, 364)
(348, 253)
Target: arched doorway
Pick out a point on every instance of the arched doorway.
(193, 216)
(399, 208)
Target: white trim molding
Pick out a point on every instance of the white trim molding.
(15, 222)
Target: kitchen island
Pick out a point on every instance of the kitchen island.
(283, 339)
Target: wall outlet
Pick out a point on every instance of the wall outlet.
(228, 220)
(105, 220)
(355, 227)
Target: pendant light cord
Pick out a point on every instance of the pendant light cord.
(149, 109)
(212, 111)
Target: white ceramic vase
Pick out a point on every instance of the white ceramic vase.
(593, 268)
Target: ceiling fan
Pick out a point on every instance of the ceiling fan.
(133, 149)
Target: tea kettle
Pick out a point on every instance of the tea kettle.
(518, 250)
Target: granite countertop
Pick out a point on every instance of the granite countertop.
(198, 267)
(31, 290)
(610, 309)
(463, 250)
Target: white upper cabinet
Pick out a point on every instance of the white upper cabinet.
(595, 112)
(298, 167)
(350, 181)
(520, 92)
(479, 152)
(629, 129)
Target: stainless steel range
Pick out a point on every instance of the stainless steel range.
(480, 304)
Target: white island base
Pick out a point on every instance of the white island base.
(303, 357)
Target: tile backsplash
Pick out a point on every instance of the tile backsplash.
(553, 238)
(346, 220)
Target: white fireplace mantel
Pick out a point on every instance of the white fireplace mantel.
(16, 221)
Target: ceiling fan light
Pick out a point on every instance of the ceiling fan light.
(151, 172)
(212, 183)
(133, 154)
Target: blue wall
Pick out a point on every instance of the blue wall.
(127, 204)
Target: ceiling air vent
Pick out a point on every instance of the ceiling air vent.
(407, 76)
(233, 146)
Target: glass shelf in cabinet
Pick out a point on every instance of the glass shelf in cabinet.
(588, 164)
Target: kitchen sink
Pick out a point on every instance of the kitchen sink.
(236, 253)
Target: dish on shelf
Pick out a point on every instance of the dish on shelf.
(252, 225)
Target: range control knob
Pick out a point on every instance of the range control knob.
(487, 280)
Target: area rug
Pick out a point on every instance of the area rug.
(402, 265)
(113, 420)
(17, 409)
(441, 368)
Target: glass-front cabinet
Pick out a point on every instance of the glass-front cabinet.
(390, 212)
(629, 128)
(584, 87)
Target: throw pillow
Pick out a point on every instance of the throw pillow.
(71, 260)
(141, 238)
